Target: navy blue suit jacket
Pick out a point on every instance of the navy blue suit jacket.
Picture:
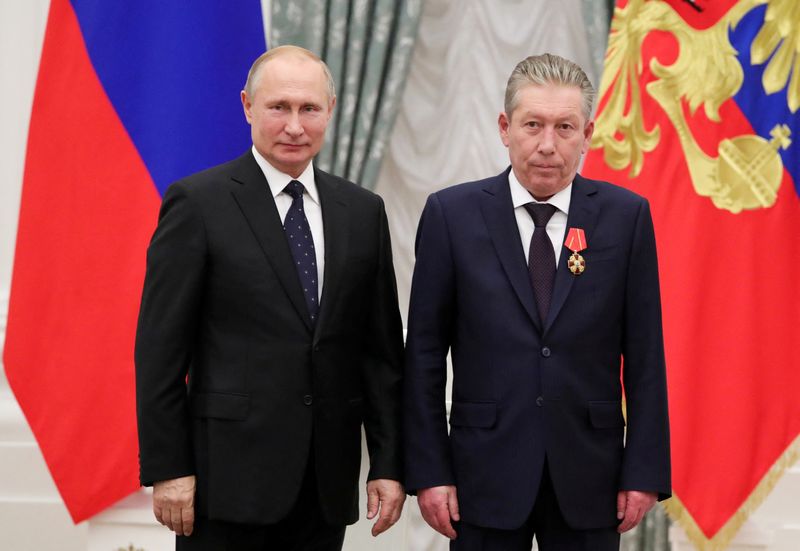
(524, 390)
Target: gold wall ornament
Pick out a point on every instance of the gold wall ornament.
(751, 170)
(702, 167)
(780, 35)
(748, 170)
(706, 72)
(746, 174)
(623, 68)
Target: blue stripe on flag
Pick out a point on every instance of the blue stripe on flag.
(762, 110)
(173, 71)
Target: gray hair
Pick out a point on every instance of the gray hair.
(541, 70)
(252, 75)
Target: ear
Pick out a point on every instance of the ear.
(588, 132)
(503, 124)
(247, 105)
(331, 105)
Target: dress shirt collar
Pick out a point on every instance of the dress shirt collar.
(278, 180)
(521, 196)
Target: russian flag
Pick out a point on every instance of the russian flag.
(130, 97)
(724, 185)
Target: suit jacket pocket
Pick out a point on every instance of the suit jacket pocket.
(606, 414)
(473, 414)
(220, 405)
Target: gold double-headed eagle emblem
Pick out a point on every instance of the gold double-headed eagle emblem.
(748, 170)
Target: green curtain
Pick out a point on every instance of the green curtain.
(597, 19)
(367, 44)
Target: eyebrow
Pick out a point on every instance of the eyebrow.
(530, 114)
(287, 100)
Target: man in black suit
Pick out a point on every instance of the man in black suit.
(539, 282)
(269, 330)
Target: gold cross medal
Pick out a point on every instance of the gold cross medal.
(576, 242)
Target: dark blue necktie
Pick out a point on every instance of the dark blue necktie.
(301, 243)
(541, 257)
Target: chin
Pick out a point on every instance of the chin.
(547, 190)
(295, 160)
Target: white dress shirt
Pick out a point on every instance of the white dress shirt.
(277, 181)
(556, 227)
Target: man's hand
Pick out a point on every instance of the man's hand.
(439, 505)
(632, 506)
(387, 497)
(173, 504)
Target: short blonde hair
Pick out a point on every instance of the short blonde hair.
(544, 69)
(252, 75)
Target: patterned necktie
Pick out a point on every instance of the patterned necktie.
(301, 243)
(541, 257)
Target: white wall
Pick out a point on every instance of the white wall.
(32, 515)
(21, 32)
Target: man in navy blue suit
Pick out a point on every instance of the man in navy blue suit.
(539, 282)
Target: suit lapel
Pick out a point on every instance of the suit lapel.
(498, 213)
(255, 201)
(583, 212)
(335, 229)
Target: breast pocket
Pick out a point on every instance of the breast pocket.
(603, 254)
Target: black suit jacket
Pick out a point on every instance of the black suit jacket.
(525, 390)
(222, 310)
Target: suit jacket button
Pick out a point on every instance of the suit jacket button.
(539, 401)
(546, 352)
(308, 399)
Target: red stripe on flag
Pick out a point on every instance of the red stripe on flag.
(88, 209)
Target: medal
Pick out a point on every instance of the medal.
(576, 242)
(576, 264)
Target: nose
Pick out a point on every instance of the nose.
(293, 126)
(547, 144)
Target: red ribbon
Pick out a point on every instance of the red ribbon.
(576, 240)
